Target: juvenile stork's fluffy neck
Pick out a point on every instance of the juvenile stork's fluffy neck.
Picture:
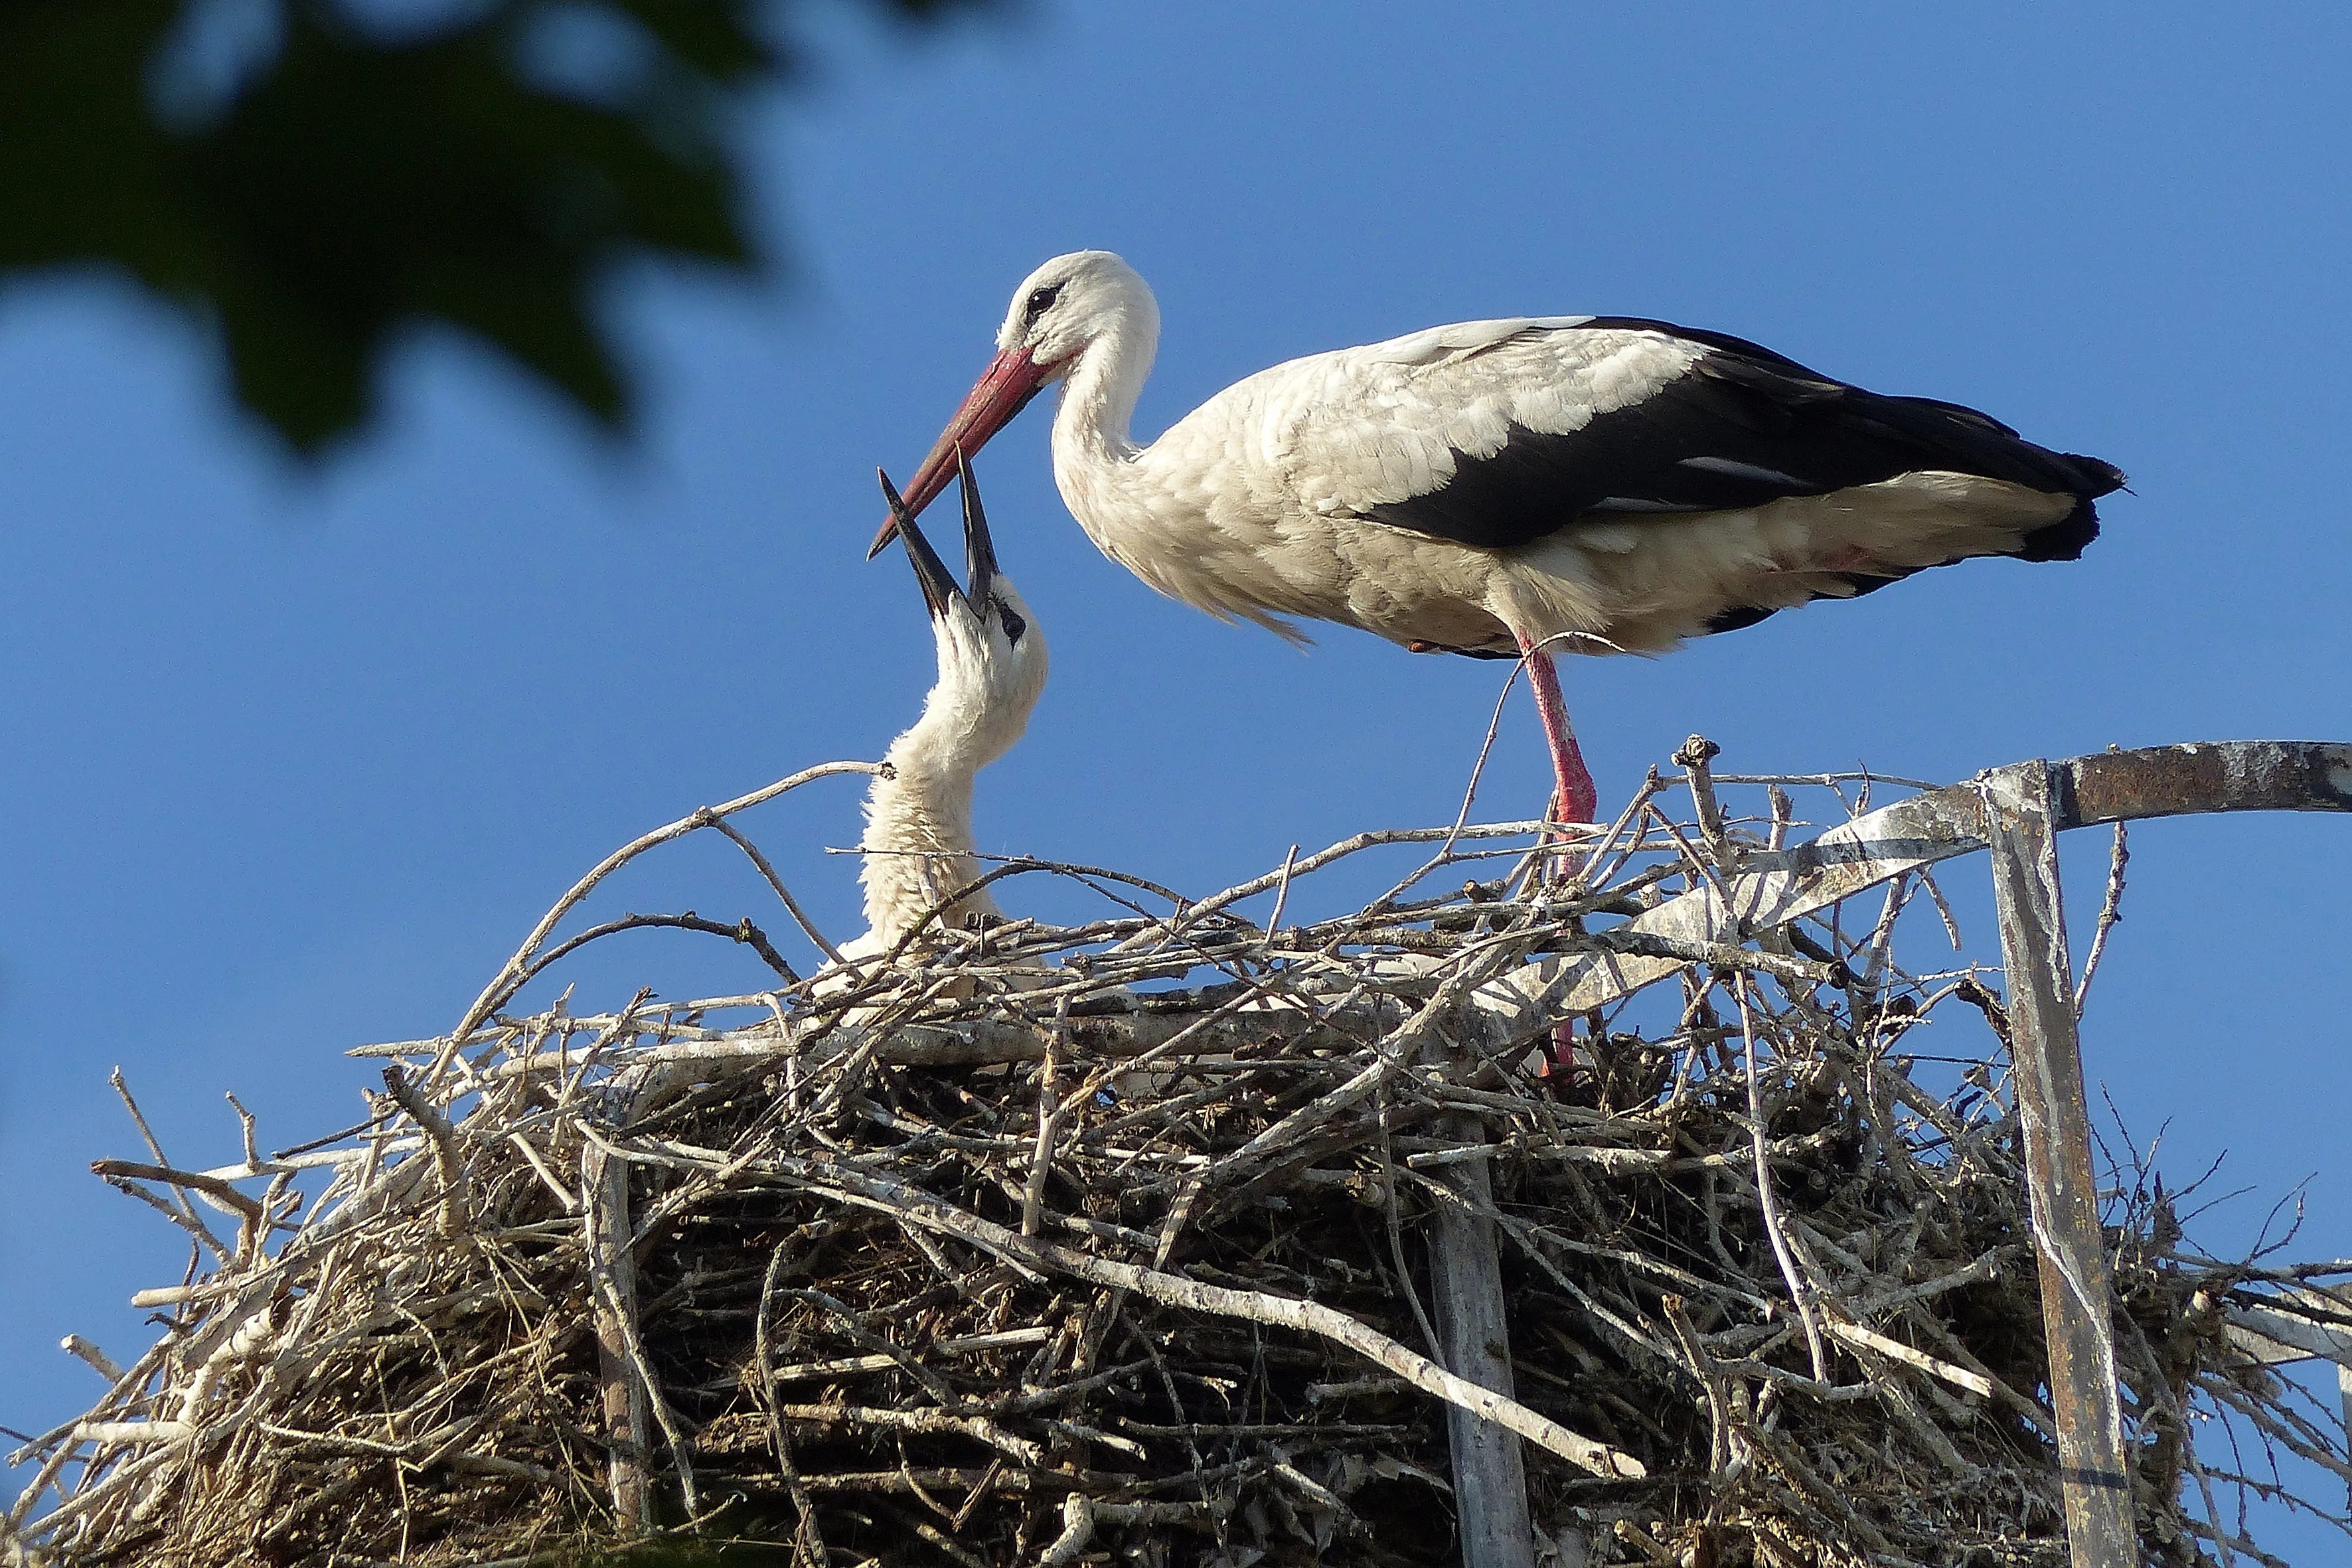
(1511, 487)
(918, 845)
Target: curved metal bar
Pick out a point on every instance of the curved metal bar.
(1775, 886)
(2017, 812)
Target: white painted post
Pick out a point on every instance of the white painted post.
(1490, 1479)
(2021, 820)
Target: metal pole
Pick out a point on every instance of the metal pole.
(2021, 818)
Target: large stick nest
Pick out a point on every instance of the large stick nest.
(1049, 1245)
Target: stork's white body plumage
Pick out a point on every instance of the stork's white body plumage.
(1261, 502)
(919, 848)
(1512, 486)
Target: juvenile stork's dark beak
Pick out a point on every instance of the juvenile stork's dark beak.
(939, 588)
(979, 549)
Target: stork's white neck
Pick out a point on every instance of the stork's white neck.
(918, 840)
(1094, 454)
(1098, 399)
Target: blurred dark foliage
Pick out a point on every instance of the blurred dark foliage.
(312, 177)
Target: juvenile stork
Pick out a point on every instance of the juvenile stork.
(1513, 488)
(918, 845)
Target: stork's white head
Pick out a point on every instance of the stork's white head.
(991, 655)
(1073, 302)
(1087, 299)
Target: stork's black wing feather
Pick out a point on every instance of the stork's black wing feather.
(1741, 427)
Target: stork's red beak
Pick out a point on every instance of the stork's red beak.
(1012, 379)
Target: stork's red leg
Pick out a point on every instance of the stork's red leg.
(1574, 799)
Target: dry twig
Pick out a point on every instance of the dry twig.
(1042, 1245)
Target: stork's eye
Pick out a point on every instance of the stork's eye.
(1014, 624)
(1040, 301)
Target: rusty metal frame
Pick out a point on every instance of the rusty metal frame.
(2017, 812)
(1775, 886)
(2022, 814)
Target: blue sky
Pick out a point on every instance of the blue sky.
(296, 757)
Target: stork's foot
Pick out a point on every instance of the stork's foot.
(1558, 1066)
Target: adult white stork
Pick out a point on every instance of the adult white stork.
(919, 847)
(1509, 487)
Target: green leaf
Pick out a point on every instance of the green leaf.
(362, 184)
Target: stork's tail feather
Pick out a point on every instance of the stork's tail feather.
(2099, 476)
(2066, 539)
